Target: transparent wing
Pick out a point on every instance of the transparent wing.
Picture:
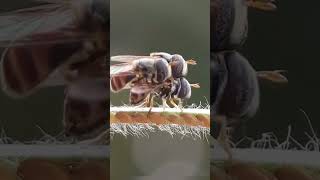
(128, 58)
(32, 25)
(120, 68)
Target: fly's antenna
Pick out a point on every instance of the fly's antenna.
(196, 85)
(191, 62)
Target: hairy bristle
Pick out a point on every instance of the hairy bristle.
(189, 117)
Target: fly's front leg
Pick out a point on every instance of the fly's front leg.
(171, 100)
(149, 78)
(223, 138)
(180, 103)
(164, 104)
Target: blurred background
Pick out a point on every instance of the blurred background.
(19, 118)
(176, 27)
(286, 39)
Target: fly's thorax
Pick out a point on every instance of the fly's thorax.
(145, 65)
(156, 71)
(182, 89)
(179, 66)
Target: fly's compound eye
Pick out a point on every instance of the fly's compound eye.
(178, 66)
(162, 70)
(184, 90)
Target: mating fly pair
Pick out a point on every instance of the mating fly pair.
(60, 42)
(159, 75)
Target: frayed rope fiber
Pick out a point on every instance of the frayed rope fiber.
(138, 122)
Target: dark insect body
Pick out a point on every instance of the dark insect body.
(234, 82)
(155, 69)
(235, 94)
(236, 85)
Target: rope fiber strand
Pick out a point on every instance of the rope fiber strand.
(194, 123)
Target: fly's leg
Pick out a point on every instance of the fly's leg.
(223, 138)
(180, 103)
(150, 104)
(164, 104)
(144, 103)
(174, 104)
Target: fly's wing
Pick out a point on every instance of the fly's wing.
(128, 58)
(38, 41)
(30, 25)
(140, 92)
(85, 108)
(121, 75)
(119, 68)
